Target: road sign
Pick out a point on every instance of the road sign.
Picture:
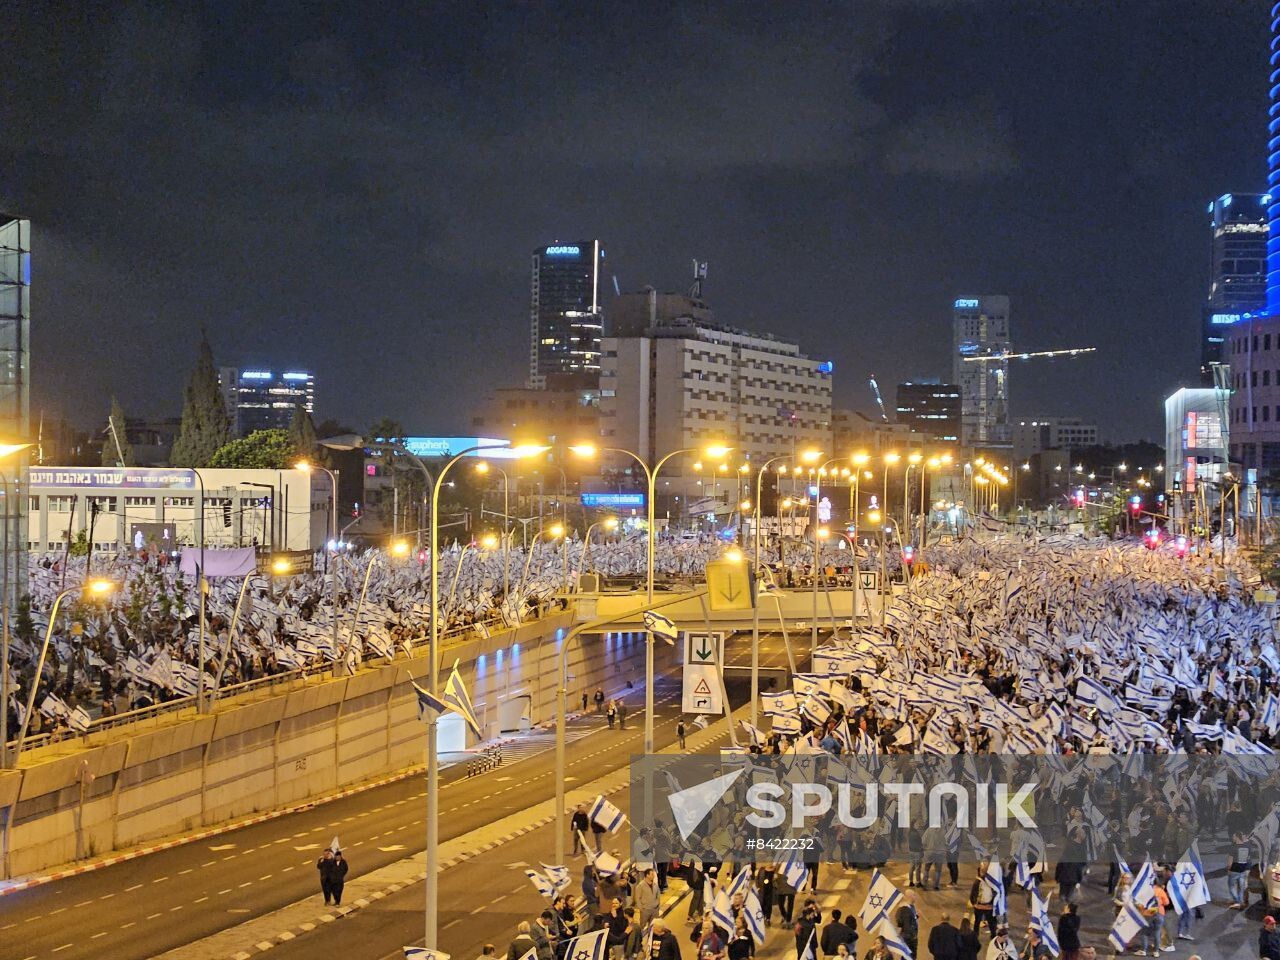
(730, 585)
(701, 689)
(703, 648)
(867, 579)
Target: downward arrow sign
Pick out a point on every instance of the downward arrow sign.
(703, 652)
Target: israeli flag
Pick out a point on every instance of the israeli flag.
(1143, 890)
(1270, 716)
(589, 946)
(455, 694)
(755, 733)
(428, 702)
(882, 898)
(606, 864)
(794, 869)
(810, 951)
(741, 883)
(755, 915)
(722, 910)
(422, 953)
(559, 876)
(606, 814)
(543, 885)
(1128, 925)
(661, 626)
(893, 941)
(779, 704)
(1043, 924)
(815, 710)
(1188, 887)
(994, 878)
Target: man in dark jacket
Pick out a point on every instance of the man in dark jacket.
(1069, 933)
(579, 824)
(523, 942)
(664, 945)
(333, 874)
(544, 937)
(944, 940)
(908, 922)
(835, 933)
(1269, 939)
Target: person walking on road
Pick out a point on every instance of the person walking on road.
(622, 714)
(579, 823)
(599, 698)
(646, 896)
(680, 732)
(663, 945)
(610, 713)
(333, 874)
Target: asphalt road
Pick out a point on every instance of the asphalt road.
(147, 906)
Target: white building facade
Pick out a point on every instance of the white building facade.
(160, 507)
(980, 329)
(1031, 435)
(687, 384)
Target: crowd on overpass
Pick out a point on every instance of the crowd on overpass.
(141, 645)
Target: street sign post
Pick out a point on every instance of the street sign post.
(730, 585)
(868, 580)
(703, 654)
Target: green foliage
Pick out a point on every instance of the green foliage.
(113, 455)
(205, 427)
(385, 429)
(302, 433)
(80, 545)
(260, 450)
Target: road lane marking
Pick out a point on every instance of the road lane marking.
(201, 900)
(153, 916)
(134, 887)
(83, 902)
(126, 926)
(61, 948)
(185, 872)
(97, 935)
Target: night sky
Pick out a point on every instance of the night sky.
(360, 192)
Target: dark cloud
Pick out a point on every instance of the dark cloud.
(361, 193)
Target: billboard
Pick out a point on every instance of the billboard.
(129, 478)
(452, 446)
(1203, 432)
(616, 501)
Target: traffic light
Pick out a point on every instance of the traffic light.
(908, 554)
(1077, 498)
(1135, 505)
(1181, 545)
(1151, 539)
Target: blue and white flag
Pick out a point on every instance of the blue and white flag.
(606, 864)
(810, 951)
(606, 814)
(882, 898)
(1270, 715)
(1143, 890)
(741, 884)
(559, 876)
(542, 884)
(755, 734)
(1188, 887)
(815, 710)
(779, 704)
(427, 702)
(893, 940)
(661, 626)
(422, 953)
(754, 911)
(794, 869)
(722, 910)
(1129, 923)
(994, 879)
(455, 694)
(1043, 924)
(589, 946)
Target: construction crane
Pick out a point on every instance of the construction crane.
(1002, 358)
(875, 388)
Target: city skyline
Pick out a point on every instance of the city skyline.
(783, 187)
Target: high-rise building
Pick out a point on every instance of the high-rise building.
(1237, 270)
(980, 328)
(15, 365)
(686, 381)
(566, 315)
(931, 409)
(261, 399)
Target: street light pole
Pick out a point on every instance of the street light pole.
(201, 585)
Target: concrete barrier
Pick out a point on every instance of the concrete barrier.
(75, 799)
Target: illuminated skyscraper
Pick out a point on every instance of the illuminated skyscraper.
(15, 365)
(980, 328)
(1237, 270)
(566, 315)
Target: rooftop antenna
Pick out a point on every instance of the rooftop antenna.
(699, 275)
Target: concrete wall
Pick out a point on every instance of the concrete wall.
(73, 800)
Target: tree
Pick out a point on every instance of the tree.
(385, 429)
(116, 450)
(205, 428)
(302, 432)
(260, 450)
